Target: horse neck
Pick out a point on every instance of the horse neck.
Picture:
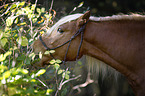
(120, 44)
(118, 40)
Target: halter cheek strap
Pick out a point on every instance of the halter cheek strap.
(80, 31)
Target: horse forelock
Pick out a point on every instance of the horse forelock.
(63, 21)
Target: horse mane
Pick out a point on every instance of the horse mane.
(100, 68)
(119, 17)
(97, 19)
(96, 67)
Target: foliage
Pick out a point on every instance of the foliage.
(21, 26)
(20, 29)
(18, 33)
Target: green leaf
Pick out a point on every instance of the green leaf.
(24, 71)
(5, 5)
(16, 21)
(58, 61)
(46, 52)
(7, 53)
(3, 42)
(33, 75)
(15, 71)
(34, 20)
(68, 72)
(33, 80)
(2, 58)
(66, 76)
(52, 61)
(22, 40)
(30, 15)
(10, 79)
(40, 55)
(81, 4)
(52, 51)
(6, 34)
(33, 7)
(21, 3)
(23, 23)
(9, 20)
(40, 72)
(49, 91)
(47, 15)
(13, 6)
(38, 10)
(19, 12)
(32, 55)
(3, 68)
(6, 74)
(79, 62)
(56, 66)
(42, 10)
(27, 60)
(60, 71)
(17, 77)
(21, 58)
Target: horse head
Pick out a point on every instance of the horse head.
(65, 37)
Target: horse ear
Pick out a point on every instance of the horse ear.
(84, 18)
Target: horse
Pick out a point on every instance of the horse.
(118, 41)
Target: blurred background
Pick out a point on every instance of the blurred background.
(97, 7)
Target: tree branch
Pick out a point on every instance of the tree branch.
(60, 86)
(88, 81)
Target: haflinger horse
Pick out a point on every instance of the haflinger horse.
(117, 40)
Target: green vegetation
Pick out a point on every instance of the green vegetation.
(21, 25)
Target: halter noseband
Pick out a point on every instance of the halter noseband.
(80, 31)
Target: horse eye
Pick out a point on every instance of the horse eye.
(60, 30)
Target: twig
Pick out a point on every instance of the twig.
(60, 86)
(63, 77)
(60, 83)
(6, 11)
(35, 5)
(31, 26)
(88, 81)
(3, 22)
(80, 5)
(51, 7)
(56, 78)
(42, 83)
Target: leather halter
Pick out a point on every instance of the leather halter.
(80, 31)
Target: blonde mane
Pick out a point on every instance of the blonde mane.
(98, 67)
(97, 19)
(119, 17)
